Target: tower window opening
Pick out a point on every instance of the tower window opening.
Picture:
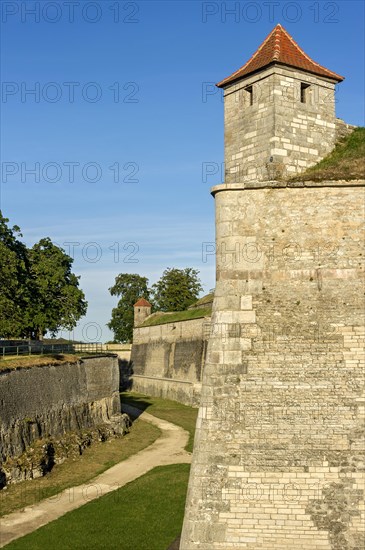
(304, 92)
(249, 94)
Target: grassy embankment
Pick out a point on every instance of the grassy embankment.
(201, 308)
(345, 162)
(146, 514)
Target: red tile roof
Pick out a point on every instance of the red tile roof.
(280, 47)
(142, 303)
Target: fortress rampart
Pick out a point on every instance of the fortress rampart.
(52, 400)
(280, 435)
(167, 359)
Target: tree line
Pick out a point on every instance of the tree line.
(39, 293)
(176, 290)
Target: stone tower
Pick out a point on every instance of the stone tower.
(142, 309)
(278, 460)
(279, 112)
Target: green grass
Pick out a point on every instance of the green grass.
(12, 362)
(145, 514)
(187, 315)
(95, 460)
(345, 162)
(174, 412)
(207, 299)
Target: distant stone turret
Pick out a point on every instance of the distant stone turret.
(142, 309)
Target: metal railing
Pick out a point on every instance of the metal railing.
(45, 349)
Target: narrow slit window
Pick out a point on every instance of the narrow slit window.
(249, 95)
(304, 92)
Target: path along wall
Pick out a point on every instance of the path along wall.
(278, 458)
(53, 400)
(167, 360)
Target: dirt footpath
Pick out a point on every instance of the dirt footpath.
(167, 449)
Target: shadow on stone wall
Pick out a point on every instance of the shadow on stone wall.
(125, 375)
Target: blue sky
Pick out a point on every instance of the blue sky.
(106, 156)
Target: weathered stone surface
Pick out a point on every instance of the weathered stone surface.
(279, 451)
(167, 359)
(46, 401)
(278, 135)
(43, 454)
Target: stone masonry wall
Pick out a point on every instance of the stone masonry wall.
(278, 135)
(167, 359)
(278, 459)
(52, 400)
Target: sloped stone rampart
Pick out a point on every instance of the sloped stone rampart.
(52, 400)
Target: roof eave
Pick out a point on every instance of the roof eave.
(226, 81)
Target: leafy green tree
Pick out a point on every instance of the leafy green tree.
(38, 291)
(177, 289)
(57, 301)
(129, 287)
(14, 292)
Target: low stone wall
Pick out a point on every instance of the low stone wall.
(167, 360)
(52, 400)
(184, 392)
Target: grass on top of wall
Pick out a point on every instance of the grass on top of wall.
(11, 362)
(146, 514)
(173, 317)
(172, 411)
(207, 299)
(345, 162)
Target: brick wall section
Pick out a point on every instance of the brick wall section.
(279, 451)
(278, 135)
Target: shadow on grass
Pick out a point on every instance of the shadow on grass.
(171, 411)
(175, 545)
(140, 403)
